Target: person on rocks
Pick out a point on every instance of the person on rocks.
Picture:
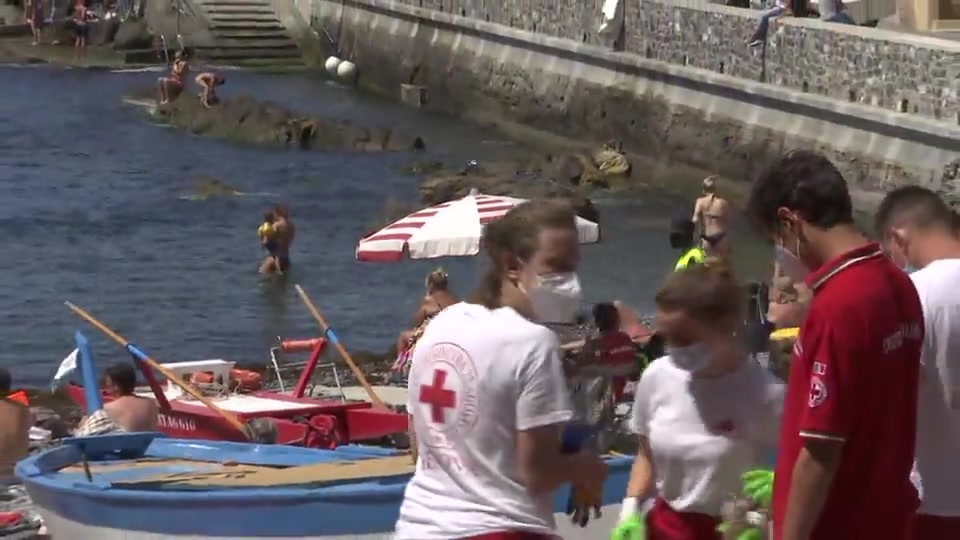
(711, 214)
(127, 412)
(34, 11)
(681, 237)
(81, 27)
(854, 372)
(15, 423)
(487, 396)
(704, 414)
(438, 298)
(284, 232)
(922, 235)
(171, 87)
(208, 82)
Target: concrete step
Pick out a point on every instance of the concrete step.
(234, 19)
(241, 10)
(234, 24)
(247, 34)
(222, 52)
(240, 3)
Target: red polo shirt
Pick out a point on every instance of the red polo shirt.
(853, 378)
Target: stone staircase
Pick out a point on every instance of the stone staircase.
(247, 32)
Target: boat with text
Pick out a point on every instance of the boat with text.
(210, 399)
(144, 486)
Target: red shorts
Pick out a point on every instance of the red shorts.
(927, 527)
(512, 535)
(665, 523)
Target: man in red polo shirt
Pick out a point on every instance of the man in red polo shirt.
(847, 439)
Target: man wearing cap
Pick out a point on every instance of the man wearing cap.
(681, 237)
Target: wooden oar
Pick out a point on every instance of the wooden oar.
(328, 333)
(231, 419)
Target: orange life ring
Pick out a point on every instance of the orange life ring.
(244, 379)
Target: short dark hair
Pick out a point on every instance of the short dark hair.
(123, 377)
(915, 206)
(806, 183)
(606, 317)
(6, 381)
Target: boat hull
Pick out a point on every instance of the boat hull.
(108, 506)
(350, 422)
(59, 527)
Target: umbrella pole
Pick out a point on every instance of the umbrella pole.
(328, 333)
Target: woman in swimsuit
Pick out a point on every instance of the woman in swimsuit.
(170, 87)
(437, 299)
(710, 213)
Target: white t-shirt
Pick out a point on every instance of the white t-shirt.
(705, 433)
(937, 468)
(479, 376)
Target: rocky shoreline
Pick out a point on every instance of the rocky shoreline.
(247, 120)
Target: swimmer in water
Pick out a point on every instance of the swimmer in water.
(284, 232)
(711, 214)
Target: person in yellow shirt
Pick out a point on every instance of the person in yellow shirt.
(268, 236)
(681, 237)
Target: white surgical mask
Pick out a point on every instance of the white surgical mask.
(791, 264)
(691, 358)
(556, 297)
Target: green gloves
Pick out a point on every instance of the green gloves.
(632, 528)
(758, 486)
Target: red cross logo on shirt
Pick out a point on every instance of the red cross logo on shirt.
(439, 399)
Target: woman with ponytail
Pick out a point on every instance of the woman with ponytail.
(488, 398)
(705, 413)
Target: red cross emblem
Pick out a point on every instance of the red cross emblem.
(439, 399)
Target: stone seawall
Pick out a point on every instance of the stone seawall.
(884, 106)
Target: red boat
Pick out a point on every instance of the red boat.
(298, 418)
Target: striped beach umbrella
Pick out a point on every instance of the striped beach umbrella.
(450, 229)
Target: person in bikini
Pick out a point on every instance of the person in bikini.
(208, 83)
(711, 215)
(437, 299)
(171, 87)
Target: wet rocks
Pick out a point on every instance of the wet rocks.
(568, 178)
(248, 120)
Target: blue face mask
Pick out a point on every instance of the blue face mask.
(909, 268)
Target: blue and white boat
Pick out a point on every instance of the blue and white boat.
(144, 486)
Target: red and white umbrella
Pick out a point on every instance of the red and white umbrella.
(450, 229)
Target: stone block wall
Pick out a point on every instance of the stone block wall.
(916, 75)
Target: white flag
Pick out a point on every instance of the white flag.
(67, 367)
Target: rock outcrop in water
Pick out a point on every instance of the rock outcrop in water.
(569, 177)
(248, 120)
